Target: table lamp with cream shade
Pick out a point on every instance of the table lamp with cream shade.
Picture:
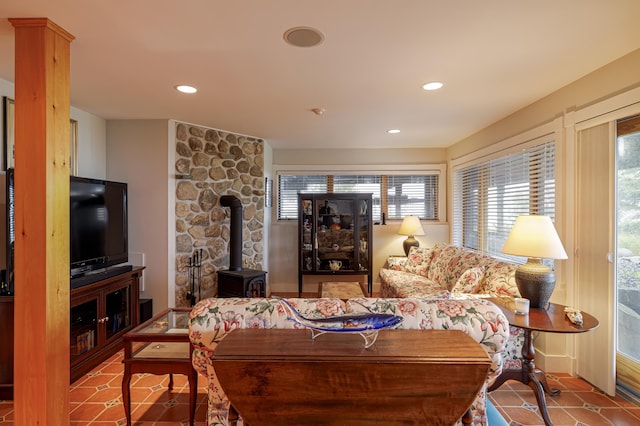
(535, 237)
(411, 226)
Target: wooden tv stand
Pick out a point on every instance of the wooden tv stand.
(101, 313)
(96, 330)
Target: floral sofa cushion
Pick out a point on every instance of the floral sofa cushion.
(499, 278)
(212, 319)
(408, 284)
(470, 280)
(418, 261)
(450, 263)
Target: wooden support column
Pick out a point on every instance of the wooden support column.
(42, 132)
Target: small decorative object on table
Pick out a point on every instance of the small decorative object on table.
(574, 315)
(522, 306)
(366, 325)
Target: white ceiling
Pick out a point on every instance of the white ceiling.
(494, 56)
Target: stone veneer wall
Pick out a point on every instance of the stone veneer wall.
(218, 163)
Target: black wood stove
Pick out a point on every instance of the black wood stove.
(239, 282)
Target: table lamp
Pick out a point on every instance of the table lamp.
(410, 226)
(535, 237)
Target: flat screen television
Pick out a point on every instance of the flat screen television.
(98, 236)
(98, 233)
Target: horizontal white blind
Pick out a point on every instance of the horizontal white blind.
(413, 195)
(288, 188)
(489, 196)
(406, 194)
(361, 184)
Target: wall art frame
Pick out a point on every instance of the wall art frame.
(73, 149)
(268, 192)
(8, 131)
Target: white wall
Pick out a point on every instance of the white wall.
(92, 144)
(137, 153)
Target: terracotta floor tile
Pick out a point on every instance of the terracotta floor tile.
(87, 411)
(523, 416)
(506, 398)
(560, 417)
(588, 417)
(597, 399)
(575, 383)
(620, 417)
(81, 394)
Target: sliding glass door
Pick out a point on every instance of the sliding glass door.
(628, 254)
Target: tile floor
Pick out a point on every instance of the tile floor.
(579, 404)
(96, 400)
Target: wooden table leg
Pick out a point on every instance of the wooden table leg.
(126, 395)
(530, 376)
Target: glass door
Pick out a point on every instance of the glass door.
(628, 254)
(117, 311)
(335, 237)
(84, 327)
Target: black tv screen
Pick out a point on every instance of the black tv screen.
(98, 224)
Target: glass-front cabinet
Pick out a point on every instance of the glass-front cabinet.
(101, 313)
(335, 233)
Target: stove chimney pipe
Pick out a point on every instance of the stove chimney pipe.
(235, 256)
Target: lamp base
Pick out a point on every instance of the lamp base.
(535, 282)
(408, 243)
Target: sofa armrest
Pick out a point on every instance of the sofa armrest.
(396, 263)
(211, 319)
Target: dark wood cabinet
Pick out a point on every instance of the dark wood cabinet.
(101, 313)
(6, 347)
(335, 235)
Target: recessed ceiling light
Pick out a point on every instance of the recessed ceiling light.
(392, 131)
(186, 89)
(434, 85)
(303, 36)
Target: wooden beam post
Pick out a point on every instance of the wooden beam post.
(41, 252)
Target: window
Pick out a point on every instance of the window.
(395, 195)
(490, 195)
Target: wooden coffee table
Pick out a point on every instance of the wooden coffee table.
(282, 376)
(160, 346)
(342, 290)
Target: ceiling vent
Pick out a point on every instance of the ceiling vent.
(303, 37)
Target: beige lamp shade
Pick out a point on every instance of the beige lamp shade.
(410, 226)
(534, 236)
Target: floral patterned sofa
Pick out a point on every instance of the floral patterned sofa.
(446, 271)
(211, 319)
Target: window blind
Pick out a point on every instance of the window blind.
(288, 188)
(404, 194)
(490, 195)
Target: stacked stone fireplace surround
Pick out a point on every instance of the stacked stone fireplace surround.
(209, 164)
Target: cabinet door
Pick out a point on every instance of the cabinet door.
(84, 327)
(364, 227)
(117, 311)
(306, 234)
(335, 235)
